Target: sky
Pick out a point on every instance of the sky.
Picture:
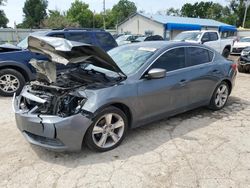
(13, 8)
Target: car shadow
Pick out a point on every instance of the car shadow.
(147, 138)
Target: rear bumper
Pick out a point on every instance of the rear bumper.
(52, 132)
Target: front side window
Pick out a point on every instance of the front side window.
(105, 39)
(171, 60)
(213, 36)
(197, 56)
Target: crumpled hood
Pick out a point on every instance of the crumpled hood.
(62, 51)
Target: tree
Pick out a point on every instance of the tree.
(34, 12)
(171, 12)
(3, 19)
(58, 20)
(238, 9)
(123, 9)
(197, 10)
(79, 12)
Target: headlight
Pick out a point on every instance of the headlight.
(244, 53)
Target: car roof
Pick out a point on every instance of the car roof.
(164, 44)
(46, 32)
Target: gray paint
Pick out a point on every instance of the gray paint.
(147, 99)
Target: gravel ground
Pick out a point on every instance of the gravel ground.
(199, 148)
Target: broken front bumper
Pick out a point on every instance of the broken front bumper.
(51, 132)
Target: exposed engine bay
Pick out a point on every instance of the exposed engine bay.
(62, 97)
(60, 91)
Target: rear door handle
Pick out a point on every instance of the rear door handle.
(183, 82)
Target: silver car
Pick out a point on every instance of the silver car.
(100, 96)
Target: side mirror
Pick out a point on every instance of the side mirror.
(156, 73)
(203, 40)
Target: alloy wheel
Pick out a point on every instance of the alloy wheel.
(9, 83)
(108, 130)
(221, 96)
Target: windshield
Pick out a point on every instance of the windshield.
(245, 40)
(24, 43)
(122, 38)
(130, 58)
(188, 36)
(141, 39)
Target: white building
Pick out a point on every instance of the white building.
(169, 26)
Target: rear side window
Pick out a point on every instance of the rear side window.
(105, 39)
(197, 56)
(213, 36)
(171, 60)
(83, 37)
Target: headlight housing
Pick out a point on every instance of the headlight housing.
(244, 53)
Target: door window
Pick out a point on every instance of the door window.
(213, 36)
(105, 39)
(197, 56)
(171, 60)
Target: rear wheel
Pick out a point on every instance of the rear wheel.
(226, 53)
(241, 69)
(11, 81)
(107, 130)
(220, 96)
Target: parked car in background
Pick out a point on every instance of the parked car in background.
(126, 39)
(209, 38)
(115, 36)
(240, 45)
(149, 38)
(106, 94)
(244, 61)
(15, 69)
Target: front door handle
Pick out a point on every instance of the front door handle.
(216, 71)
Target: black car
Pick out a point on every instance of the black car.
(244, 61)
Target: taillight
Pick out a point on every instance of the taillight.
(234, 66)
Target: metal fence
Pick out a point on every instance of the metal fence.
(14, 36)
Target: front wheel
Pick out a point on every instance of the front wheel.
(11, 81)
(107, 131)
(220, 96)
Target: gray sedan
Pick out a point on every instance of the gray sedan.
(100, 96)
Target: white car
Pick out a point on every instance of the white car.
(209, 38)
(240, 45)
(126, 39)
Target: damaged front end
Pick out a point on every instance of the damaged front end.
(43, 99)
(50, 111)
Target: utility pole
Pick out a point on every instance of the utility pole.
(245, 15)
(104, 15)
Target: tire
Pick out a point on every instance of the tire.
(219, 100)
(226, 53)
(96, 141)
(241, 69)
(11, 81)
